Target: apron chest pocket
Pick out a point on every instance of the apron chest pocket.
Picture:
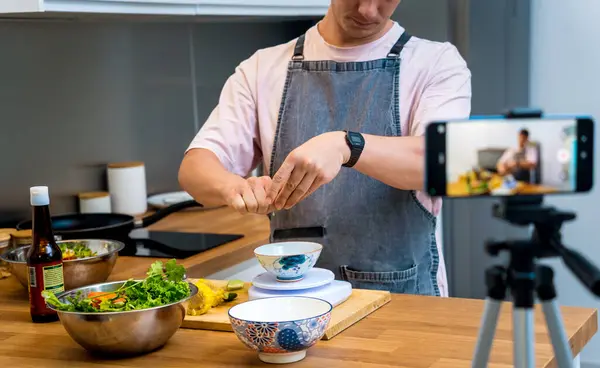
(400, 282)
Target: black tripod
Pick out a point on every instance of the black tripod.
(524, 277)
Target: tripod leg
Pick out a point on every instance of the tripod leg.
(523, 338)
(496, 285)
(547, 294)
(521, 279)
(486, 333)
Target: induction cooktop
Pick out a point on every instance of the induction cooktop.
(162, 244)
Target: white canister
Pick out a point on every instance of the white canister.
(94, 202)
(127, 187)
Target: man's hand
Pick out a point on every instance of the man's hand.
(249, 195)
(311, 165)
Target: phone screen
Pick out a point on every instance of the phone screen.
(506, 157)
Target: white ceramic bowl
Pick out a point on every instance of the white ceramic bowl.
(281, 329)
(288, 261)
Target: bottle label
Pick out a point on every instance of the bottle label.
(32, 277)
(42, 277)
(54, 279)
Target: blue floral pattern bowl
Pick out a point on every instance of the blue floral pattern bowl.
(280, 329)
(288, 261)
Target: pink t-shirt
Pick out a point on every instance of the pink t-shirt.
(435, 84)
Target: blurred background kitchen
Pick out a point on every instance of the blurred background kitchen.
(78, 92)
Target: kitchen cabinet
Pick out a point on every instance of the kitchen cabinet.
(166, 7)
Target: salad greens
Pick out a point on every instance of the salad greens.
(163, 285)
(75, 250)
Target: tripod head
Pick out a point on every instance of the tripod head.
(546, 241)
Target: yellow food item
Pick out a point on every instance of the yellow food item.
(219, 293)
(68, 254)
(495, 182)
(209, 296)
(201, 302)
(208, 283)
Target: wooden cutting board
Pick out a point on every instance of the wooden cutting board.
(360, 304)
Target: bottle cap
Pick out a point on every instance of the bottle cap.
(39, 196)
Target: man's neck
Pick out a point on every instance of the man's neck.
(334, 35)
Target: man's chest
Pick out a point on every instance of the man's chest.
(274, 93)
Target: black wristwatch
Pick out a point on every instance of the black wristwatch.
(356, 142)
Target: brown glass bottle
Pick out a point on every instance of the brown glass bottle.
(44, 258)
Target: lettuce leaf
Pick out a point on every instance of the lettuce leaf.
(174, 271)
(164, 284)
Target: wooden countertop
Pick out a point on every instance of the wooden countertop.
(222, 220)
(410, 331)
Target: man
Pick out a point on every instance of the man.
(519, 161)
(357, 193)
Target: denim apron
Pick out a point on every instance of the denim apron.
(373, 235)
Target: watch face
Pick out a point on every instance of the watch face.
(355, 140)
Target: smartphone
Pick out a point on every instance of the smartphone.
(499, 156)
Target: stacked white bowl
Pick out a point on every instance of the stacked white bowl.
(290, 304)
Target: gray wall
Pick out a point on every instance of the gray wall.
(496, 45)
(493, 37)
(425, 18)
(567, 83)
(77, 95)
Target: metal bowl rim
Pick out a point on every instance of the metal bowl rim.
(193, 292)
(119, 246)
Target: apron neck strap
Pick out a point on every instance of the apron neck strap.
(299, 48)
(397, 48)
(394, 51)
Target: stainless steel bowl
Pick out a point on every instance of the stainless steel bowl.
(123, 333)
(78, 272)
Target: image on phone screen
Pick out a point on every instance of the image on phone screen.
(506, 157)
(526, 157)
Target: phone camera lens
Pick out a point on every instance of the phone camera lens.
(583, 155)
(583, 138)
(441, 129)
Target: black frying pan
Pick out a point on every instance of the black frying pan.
(105, 225)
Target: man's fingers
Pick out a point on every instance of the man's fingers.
(280, 178)
(314, 186)
(302, 188)
(250, 200)
(266, 182)
(260, 194)
(294, 180)
(237, 202)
